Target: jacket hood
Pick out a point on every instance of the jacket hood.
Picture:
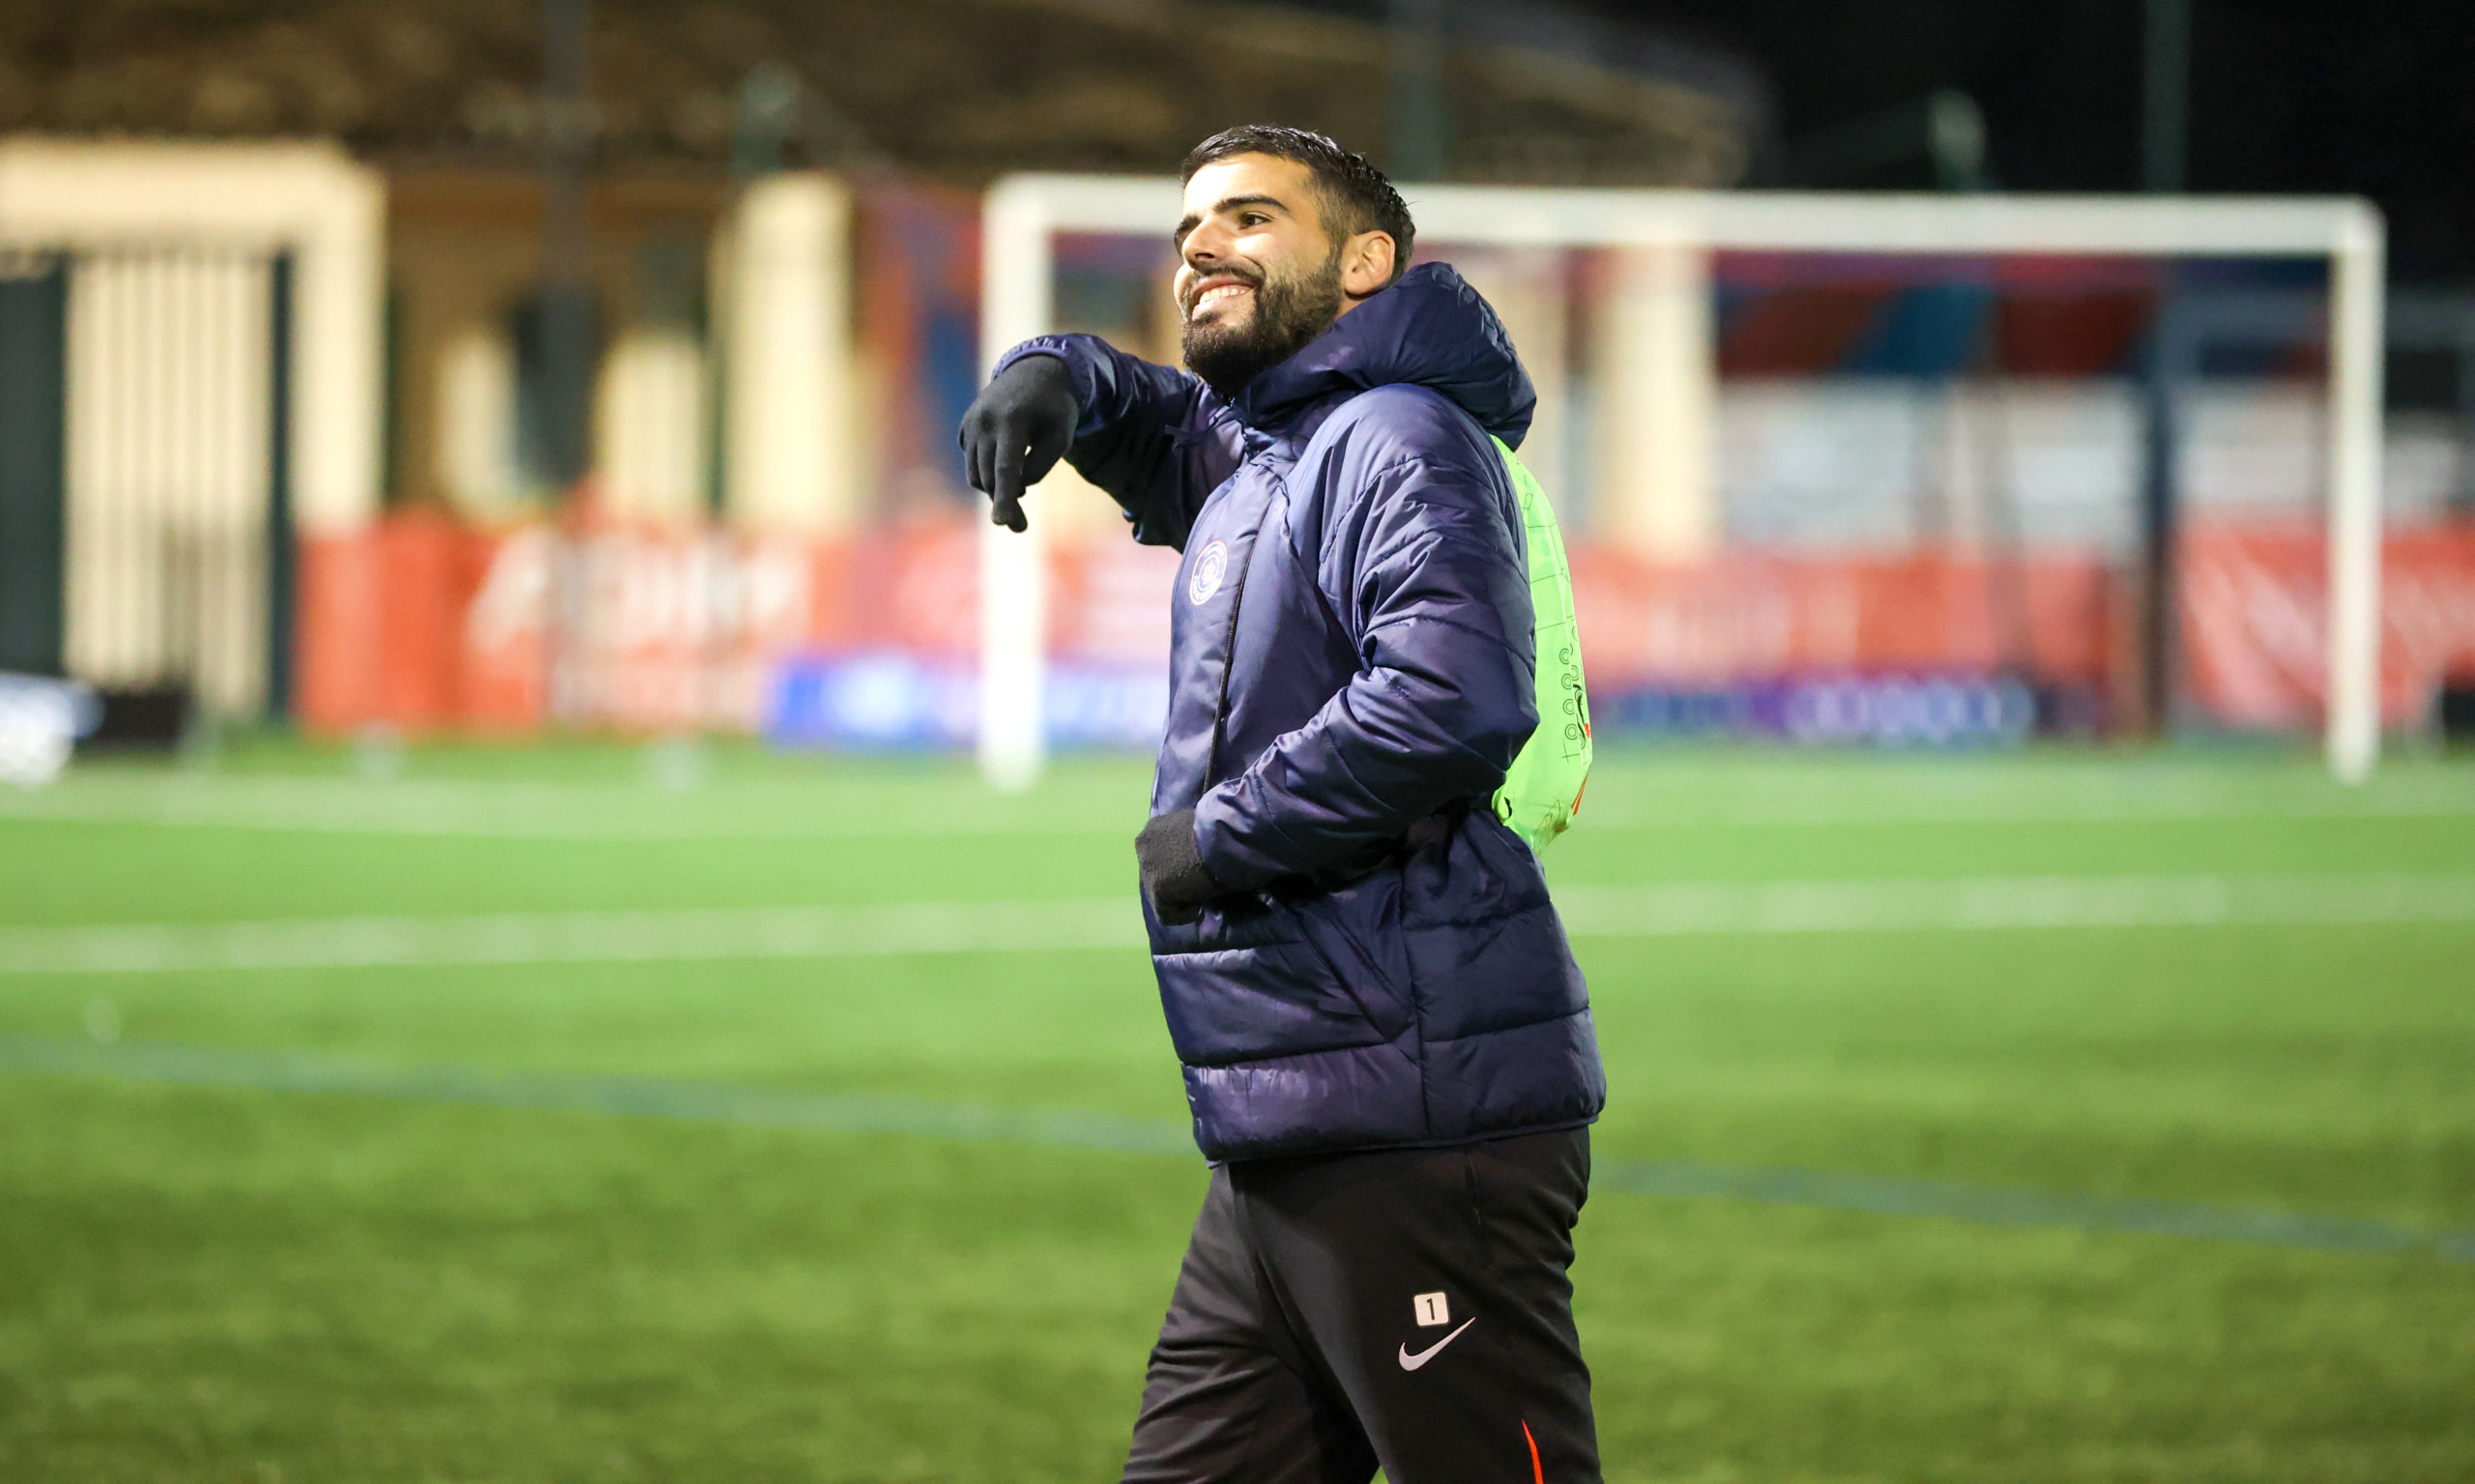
(1430, 330)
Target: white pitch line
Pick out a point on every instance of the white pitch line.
(1963, 809)
(575, 936)
(540, 812)
(1642, 911)
(726, 811)
(1984, 903)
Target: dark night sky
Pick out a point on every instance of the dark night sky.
(2375, 98)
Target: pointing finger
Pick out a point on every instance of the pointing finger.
(1007, 487)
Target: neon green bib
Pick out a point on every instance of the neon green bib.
(1543, 788)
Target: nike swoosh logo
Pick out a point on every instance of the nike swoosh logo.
(1410, 1362)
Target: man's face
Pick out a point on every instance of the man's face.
(1258, 275)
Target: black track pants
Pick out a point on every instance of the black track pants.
(1409, 1308)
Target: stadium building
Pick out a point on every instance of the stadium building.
(373, 488)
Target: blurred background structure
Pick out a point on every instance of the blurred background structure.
(466, 368)
(630, 1104)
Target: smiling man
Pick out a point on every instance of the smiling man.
(1387, 1047)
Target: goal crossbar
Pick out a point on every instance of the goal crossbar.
(1022, 215)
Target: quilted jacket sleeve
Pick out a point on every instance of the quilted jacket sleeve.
(1418, 549)
(1154, 437)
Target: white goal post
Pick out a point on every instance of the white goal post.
(1022, 215)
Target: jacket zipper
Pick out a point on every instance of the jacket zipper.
(1229, 653)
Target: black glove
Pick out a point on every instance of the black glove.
(1173, 876)
(1016, 432)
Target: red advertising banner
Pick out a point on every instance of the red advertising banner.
(1751, 616)
(431, 627)
(2256, 614)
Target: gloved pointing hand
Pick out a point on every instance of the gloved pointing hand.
(1016, 432)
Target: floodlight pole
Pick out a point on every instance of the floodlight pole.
(567, 268)
(1419, 126)
(566, 323)
(2164, 366)
(2165, 104)
(2166, 92)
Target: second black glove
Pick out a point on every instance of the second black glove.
(1174, 875)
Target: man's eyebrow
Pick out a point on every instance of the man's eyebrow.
(1232, 203)
(1190, 220)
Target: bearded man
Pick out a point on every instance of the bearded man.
(1387, 1046)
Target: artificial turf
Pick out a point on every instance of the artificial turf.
(227, 1284)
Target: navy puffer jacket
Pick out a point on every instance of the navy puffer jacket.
(1351, 676)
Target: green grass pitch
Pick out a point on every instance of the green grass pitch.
(268, 1286)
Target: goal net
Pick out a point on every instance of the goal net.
(1847, 468)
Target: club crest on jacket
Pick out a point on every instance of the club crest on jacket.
(1211, 564)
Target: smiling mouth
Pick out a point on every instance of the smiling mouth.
(1216, 294)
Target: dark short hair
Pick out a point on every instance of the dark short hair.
(1352, 195)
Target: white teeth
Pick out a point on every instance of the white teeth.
(1215, 294)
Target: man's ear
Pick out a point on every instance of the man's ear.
(1366, 264)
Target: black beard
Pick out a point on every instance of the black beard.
(1288, 312)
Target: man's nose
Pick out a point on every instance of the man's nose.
(1205, 246)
